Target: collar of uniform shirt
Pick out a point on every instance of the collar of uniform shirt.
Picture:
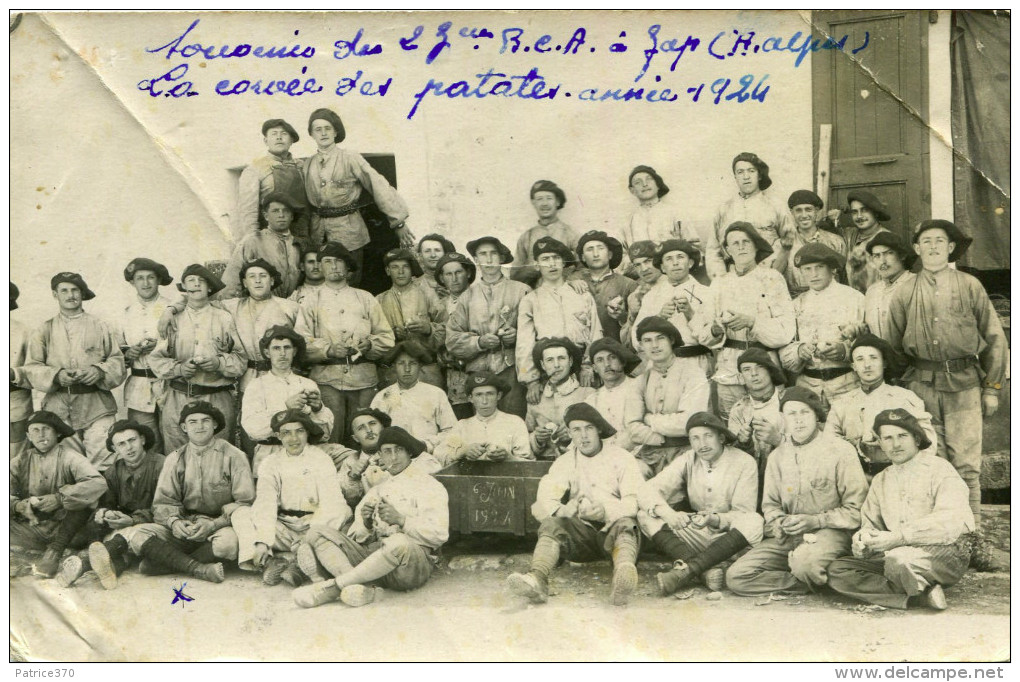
(868, 388)
(606, 275)
(808, 441)
(567, 387)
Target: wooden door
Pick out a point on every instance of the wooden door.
(877, 103)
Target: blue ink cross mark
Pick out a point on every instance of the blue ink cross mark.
(179, 595)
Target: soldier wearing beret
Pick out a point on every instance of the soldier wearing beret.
(413, 404)
(312, 276)
(829, 315)
(752, 205)
(805, 207)
(414, 312)
(586, 506)
(431, 249)
(139, 332)
(719, 484)
(756, 418)
(278, 390)
(866, 211)
(547, 199)
(297, 489)
(481, 330)
(641, 255)
(559, 359)
(200, 487)
(75, 359)
(456, 272)
(398, 529)
(276, 245)
(947, 327)
(349, 332)
(814, 489)
(554, 309)
(490, 434)
(276, 172)
(130, 488)
(747, 307)
(201, 358)
(892, 259)
(677, 297)
(53, 490)
(21, 389)
(613, 363)
(656, 217)
(913, 521)
(601, 255)
(340, 184)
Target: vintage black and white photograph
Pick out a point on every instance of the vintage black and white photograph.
(482, 336)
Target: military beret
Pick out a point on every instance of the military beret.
(655, 323)
(280, 331)
(763, 248)
(803, 395)
(764, 181)
(574, 351)
(629, 360)
(147, 265)
(871, 202)
(612, 243)
(333, 119)
(75, 279)
(394, 435)
(280, 123)
(505, 255)
(281, 198)
(663, 188)
(760, 357)
(550, 245)
(549, 186)
(676, 245)
(486, 378)
(49, 419)
(816, 252)
(904, 420)
(14, 296)
(215, 283)
(896, 243)
(893, 362)
(206, 408)
(587, 413)
(291, 416)
(804, 196)
(954, 233)
(338, 250)
(404, 255)
(410, 348)
(709, 420)
(265, 265)
(641, 249)
(378, 415)
(455, 257)
(447, 245)
(144, 431)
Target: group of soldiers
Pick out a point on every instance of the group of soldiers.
(781, 406)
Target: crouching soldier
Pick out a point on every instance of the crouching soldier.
(909, 544)
(720, 484)
(814, 488)
(53, 490)
(298, 487)
(131, 484)
(398, 528)
(201, 486)
(599, 483)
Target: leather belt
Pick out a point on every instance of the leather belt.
(745, 345)
(676, 442)
(78, 389)
(192, 390)
(873, 468)
(293, 512)
(344, 361)
(948, 366)
(338, 211)
(268, 441)
(143, 373)
(691, 351)
(259, 365)
(825, 374)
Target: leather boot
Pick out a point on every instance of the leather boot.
(159, 552)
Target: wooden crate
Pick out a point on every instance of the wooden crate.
(493, 497)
